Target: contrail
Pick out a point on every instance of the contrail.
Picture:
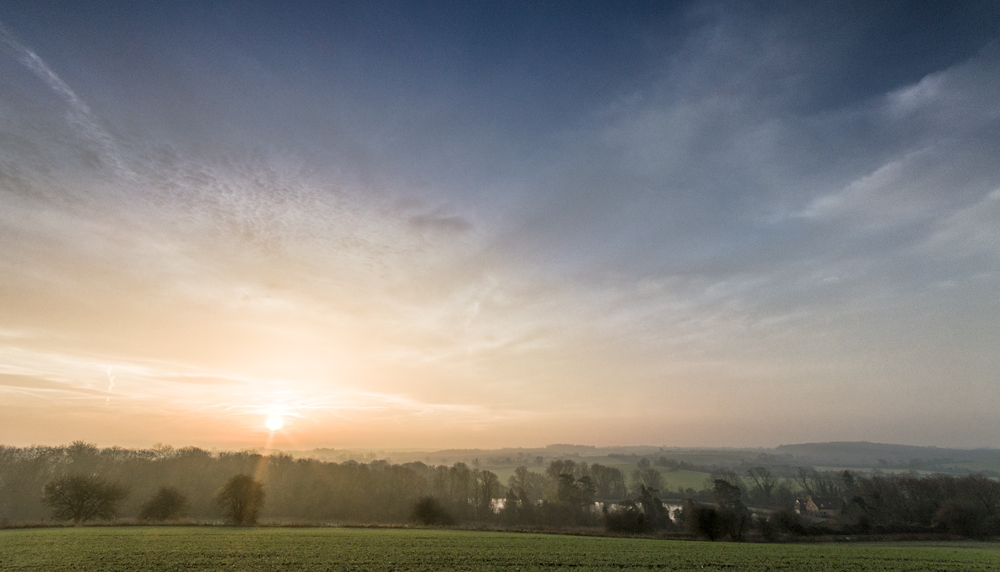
(111, 385)
(79, 113)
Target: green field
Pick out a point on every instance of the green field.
(254, 549)
(671, 479)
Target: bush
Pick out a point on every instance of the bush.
(627, 517)
(429, 511)
(766, 526)
(167, 504)
(789, 521)
(961, 517)
(703, 520)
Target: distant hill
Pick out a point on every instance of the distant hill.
(865, 454)
(784, 459)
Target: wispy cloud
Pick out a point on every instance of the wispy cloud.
(78, 113)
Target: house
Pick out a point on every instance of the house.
(824, 507)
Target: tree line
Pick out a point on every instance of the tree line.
(135, 482)
(876, 504)
(81, 482)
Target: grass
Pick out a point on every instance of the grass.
(976, 466)
(683, 479)
(671, 479)
(294, 549)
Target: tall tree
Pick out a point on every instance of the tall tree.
(764, 483)
(818, 484)
(646, 475)
(528, 484)
(733, 514)
(463, 489)
(609, 482)
(488, 489)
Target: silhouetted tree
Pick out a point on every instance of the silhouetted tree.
(728, 475)
(788, 521)
(510, 513)
(764, 483)
(167, 504)
(961, 517)
(573, 502)
(733, 514)
(626, 517)
(462, 485)
(702, 520)
(566, 467)
(817, 484)
(240, 500)
(587, 492)
(646, 475)
(532, 484)
(83, 497)
(487, 488)
(609, 483)
(657, 515)
(766, 526)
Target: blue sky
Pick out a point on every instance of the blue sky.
(486, 224)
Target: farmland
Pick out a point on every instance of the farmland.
(259, 549)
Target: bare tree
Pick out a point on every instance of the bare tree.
(527, 484)
(488, 489)
(240, 500)
(83, 497)
(647, 475)
(764, 482)
(733, 514)
(608, 482)
(817, 484)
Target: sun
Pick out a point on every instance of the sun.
(275, 422)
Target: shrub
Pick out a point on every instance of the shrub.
(787, 520)
(627, 517)
(766, 526)
(429, 511)
(703, 520)
(962, 517)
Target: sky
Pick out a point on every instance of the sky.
(489, 224)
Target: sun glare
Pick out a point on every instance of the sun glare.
(275, 422)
